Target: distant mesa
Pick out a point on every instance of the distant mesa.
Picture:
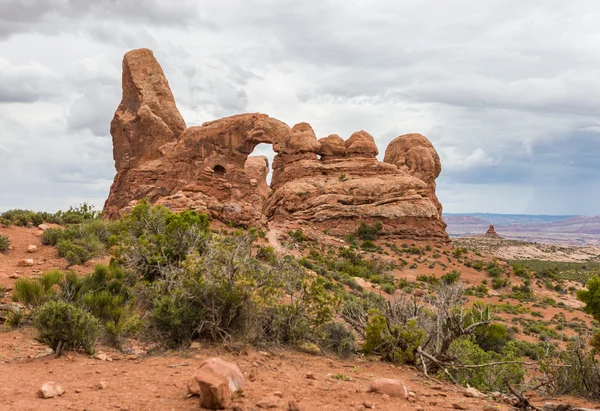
(328, 183)
(491, 232)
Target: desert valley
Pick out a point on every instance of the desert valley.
(336, 283)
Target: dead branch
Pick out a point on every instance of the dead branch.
(522, 402)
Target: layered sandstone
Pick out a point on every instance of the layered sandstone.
(329, 183)
(491, 232)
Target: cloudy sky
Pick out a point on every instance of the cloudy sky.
(508, 91)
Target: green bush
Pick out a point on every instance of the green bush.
(267, 254)
(75, 254)
(29, 292)
(492, 337)
(368, 245)
(591, 297)
(154, 241)
(451, 277)
(499, 283)
(368, 232)
(395, 343)
(334, 337)
(63, 326)
(32, 293)
(486, 378)
(4, 243)
(51, 236)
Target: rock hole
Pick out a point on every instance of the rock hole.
(219, 171)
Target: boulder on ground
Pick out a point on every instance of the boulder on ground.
(215, 381)
(51, 389)
(393, 388)
(31, 249)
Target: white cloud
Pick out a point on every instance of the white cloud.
(510, 102)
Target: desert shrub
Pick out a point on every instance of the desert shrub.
(336, 338)
(267, 254)
(223, 292)
(573, 371)
(154, 241)
(430, 279)
(388, 288)
(493, 269)
(51, 236)
(485, 378)
(4, 243)
(492, 337)
(34, 292)
(297, 236)
(457, 253)
(368, 232)
(63, 326)
(105, 295)
(523, 292)
(29, 292)
(591, 297)
(368, 245)
(20, 217)
(451, 277)
(75, 254)
(175, 319)
(77, 215)
(499, 283)
(395, 343)
(520, 270)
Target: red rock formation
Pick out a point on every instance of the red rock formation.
(491, 232)
(329, 183)
(414, 154)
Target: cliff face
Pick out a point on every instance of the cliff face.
(328, 183)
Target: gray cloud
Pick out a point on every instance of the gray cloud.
(510, 101)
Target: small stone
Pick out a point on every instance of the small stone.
(549, 406)
(31, 249)
(490, 407)
(278, 394)
(369, 405)
(102, 357)
(195, 345)
(496, 395)
(27, 262)
(51, 389)
(393, 388)
(293, 405)
(14, 276)
(77, 391)
(458, 407)
(252, 375)
(474, 393)
(311, 376)
(268, 402)
(102, 385)
(43, 227)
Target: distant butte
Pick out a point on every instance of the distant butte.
(491, 232)
(329, 183)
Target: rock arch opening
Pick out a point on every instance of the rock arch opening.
(260, 160)
(219, 171)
